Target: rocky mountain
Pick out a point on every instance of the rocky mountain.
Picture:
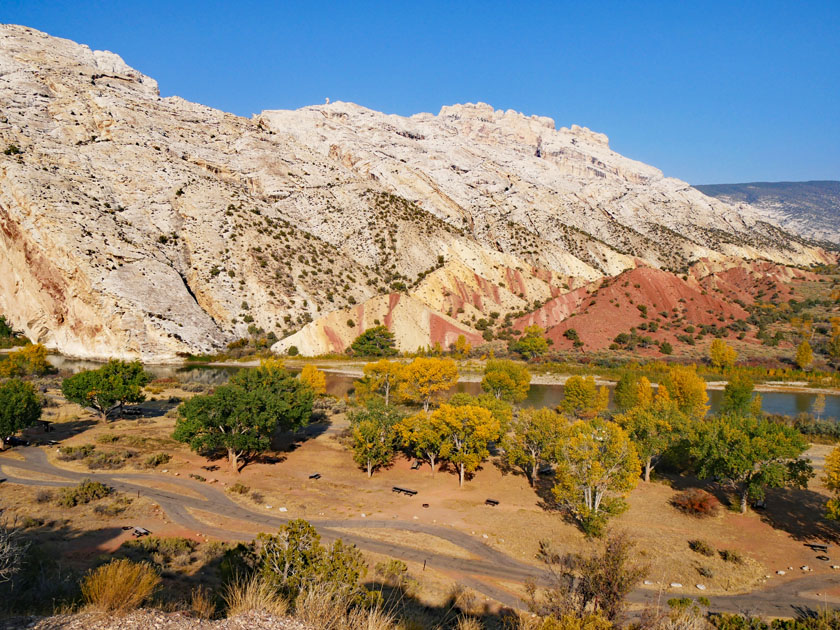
(144, 227)
(810, 209)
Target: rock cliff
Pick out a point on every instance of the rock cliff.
(143, 227)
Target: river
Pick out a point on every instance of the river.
(783, 403)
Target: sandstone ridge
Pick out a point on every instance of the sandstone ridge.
(138, 226)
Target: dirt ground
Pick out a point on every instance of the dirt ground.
(770, 540)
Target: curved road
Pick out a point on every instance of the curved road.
(785, 599)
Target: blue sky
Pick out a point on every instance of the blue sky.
(710, 92)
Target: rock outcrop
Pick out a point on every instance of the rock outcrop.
(143, 227)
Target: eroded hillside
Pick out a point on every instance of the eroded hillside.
(139, 226)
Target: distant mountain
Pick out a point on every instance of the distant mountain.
(810, 209)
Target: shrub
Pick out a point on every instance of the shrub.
(153, 461)
(292, 351)
(119, 586)
(730, 555)
(255, 594)
(257, 497)
(202, 603)
(43, 496)
(85, 492)
(696, 502)
(108, 461)
(239, 488)
(168, 548)
(701, 547)
(75, 453)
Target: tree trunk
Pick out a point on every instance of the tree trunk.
(369, 469)
(233, 458)
(432, 464)
(648, 468)
(426, 403)
(744, 494)
(387, 394)
(533, 479)
(460, 475)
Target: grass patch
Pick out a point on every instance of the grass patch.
(119, 586)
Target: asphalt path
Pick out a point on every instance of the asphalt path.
(783, 599)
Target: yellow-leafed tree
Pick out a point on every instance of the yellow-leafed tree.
(425, 377)
(383, 377)
(596, 465)
(804, 355)
(315, 378)
(832, 483)
(721, 354)
(466, 434)
(688, 390)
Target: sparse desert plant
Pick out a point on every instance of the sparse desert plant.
(85, 492)
(696, 502)
(75, 453)
(701, 547)
(466, 622)
(153, 461)
(202, 603)
(239, 488)
(257, 497)
(111, 460)
(730, 555)
(254, 594)
(43, 496)
(119, 586)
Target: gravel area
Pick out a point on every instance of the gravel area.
(150, 620)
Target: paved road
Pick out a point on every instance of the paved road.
(783, 599)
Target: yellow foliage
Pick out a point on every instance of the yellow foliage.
(721, 354)
(119, 586)
(832, 482)
(645, 392)
(462, 346)
(688, 390)
(315, 378)
(424, 378)
(29, 360)
(804, 355)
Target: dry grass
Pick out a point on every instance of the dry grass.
(468, 623)
(202, 603)
(119, 586)
(323, 608)
(253, 595)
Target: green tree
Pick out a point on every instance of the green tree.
(374, 435)
(6, 329)
(506, 380)
(426, 377)
(653, 429)
(596, 465)
(749, 454)
(533, 437)
(531, 344)
(467, 432)
(374, 342)
(737, 395)
(804, 355)
(582, 398)
(241, 417)
(108, 388)
(626, 394)
(294, 560)
(19, 408)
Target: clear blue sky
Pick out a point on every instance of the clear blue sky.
(710, 92)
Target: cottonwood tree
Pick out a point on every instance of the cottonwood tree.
(421, 438)
(108, 388)
(466, 435)
(502, 411)
(28, 361)
(831, 479)
(315, 378)
(721, 354)
(533, 437)
(19, 408)
(653, 428)
(596, 465)
(749, 454)
(737, 395)
(632, 390)
(531, 344)
(383, 377)
(804, 355)
(506, 380)
(374, 342)
(688, 390)
(426, 377)
(582, 398)
(241, 417)
(373, 429)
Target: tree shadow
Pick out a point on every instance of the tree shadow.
(800, 513)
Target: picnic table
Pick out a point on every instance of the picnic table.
(405, 491)
(491, 502)
(139, 532)
(315, 476)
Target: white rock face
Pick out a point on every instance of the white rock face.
(136, 226)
